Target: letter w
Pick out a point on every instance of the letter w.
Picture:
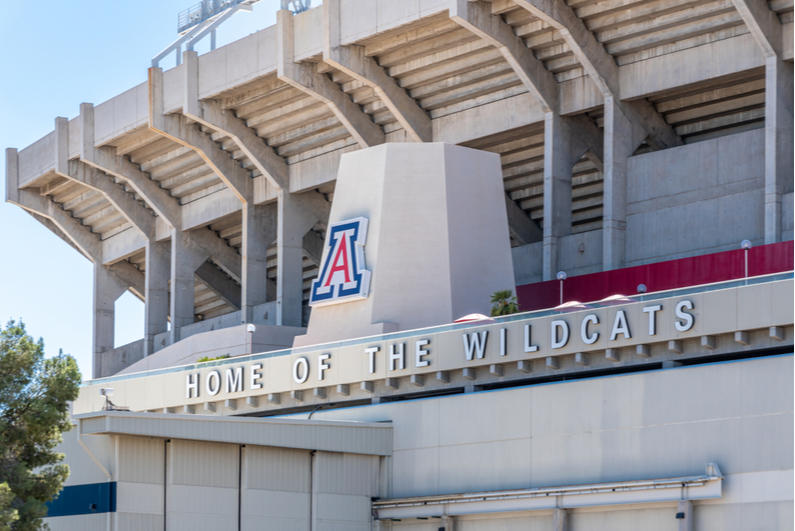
(475, 343)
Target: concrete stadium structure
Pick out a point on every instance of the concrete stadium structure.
(476, 146)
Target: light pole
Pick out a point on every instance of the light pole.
(746, 245)
(561, 277)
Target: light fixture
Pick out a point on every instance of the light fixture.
(561, 277)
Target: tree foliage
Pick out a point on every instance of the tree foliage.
(208, 358)
(34, 411)
(504, 303)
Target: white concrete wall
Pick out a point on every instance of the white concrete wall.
(720, 58)
(36, 159)
(232, 341)
(452, 256)
(659, 424)
(578, 254)
(709, 196)
(363, 18)
(787, 217)
(121, 114)
(118, 358)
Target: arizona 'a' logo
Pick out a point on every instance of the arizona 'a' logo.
(342, 276)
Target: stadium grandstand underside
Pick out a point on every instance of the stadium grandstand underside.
(640, 142)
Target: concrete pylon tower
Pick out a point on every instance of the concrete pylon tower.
(437, 242)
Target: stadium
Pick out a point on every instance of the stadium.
(323, 210)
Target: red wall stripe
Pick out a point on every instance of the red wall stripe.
(660, 276)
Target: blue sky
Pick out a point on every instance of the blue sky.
(56, 55)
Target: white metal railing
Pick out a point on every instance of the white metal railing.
(704, 486)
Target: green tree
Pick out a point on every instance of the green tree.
(504, 303)
(34, 411)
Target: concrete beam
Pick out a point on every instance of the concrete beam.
(306, 78)
(523, 229)
(212, 114)
(158, 275)
(106, 160)
(160, 266)
(294, 223)
(262, 224)
(477, 18)
(53, 228)
(589, 53)
(176, 128)
(130, 276)
(220, 284)
(763, 25)
(107, 288)
(600, 66)
(352, 61)
(141, 218)
(87, 242)
(313, 247)
(620, 145)
(779, 141)
(562, 149)
(226, 256)
(186, 257)
(260, 229)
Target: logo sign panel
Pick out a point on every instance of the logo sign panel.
(343, 277)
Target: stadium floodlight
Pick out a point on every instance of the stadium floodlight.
(297, 6)
(194, 23)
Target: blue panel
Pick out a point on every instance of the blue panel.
(94, 498)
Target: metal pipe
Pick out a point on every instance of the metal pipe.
(312, 491)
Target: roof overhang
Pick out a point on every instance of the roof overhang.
(326, 435)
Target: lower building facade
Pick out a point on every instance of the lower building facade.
(678, 415)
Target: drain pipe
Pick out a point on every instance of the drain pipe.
(313, 490)
(92, 456)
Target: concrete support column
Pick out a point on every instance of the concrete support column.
(186, 257)
(259, 231)
(778, 142)
(294, 222)
(684, 515)
(560, 520)
(562, 150)
(158, 272)
(107, 288)
(618, 147)
(448, 523)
